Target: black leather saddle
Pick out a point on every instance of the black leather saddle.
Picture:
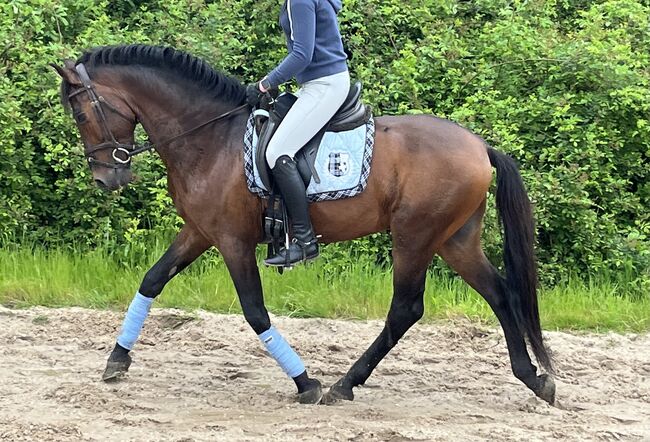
(352, 114)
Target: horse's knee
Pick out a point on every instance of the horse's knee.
(417, 309)
(258, 319)
(409, 297)
(169, 265)
(152, 283)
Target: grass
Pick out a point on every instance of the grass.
(96, 279)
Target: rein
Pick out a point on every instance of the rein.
(122, 153)
(148, 146)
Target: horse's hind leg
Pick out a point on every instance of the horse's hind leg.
(464, 254)
(410, 262)
(187, 246)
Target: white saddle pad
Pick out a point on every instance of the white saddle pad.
(342, 163)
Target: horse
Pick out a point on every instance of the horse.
(428, 187)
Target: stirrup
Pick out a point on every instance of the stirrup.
(285, 258)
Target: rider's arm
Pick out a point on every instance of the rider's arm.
(302, 20)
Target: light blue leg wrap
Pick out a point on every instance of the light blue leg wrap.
(282, 352)
(134, 320)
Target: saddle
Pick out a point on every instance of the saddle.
(352, 114)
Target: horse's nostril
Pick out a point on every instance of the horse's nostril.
(101, 184)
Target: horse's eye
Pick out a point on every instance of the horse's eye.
(80, 117)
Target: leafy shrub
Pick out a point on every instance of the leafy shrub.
(561, 85)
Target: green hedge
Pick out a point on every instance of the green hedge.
(561, 85)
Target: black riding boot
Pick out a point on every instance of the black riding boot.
(304, 246)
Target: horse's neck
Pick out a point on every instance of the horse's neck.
(202, 161)
(205, 164)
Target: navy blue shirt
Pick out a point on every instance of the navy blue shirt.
(313, 40)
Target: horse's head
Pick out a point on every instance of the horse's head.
(106, 124)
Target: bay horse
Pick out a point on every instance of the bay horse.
(428, 185)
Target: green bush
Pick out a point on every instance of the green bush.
(561, 85)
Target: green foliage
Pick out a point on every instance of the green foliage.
(103, 279)
(561, 85)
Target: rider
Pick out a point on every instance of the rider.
(318, 62)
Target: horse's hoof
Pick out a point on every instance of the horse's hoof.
(547, 389)
(313, 395)
(115, 370)
(337, 393)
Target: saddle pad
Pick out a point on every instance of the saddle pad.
(342, 163)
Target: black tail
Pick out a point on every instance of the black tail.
(516, 215)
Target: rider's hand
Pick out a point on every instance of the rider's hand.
(264, 85)
(253, 94)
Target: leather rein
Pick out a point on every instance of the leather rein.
(122, 153)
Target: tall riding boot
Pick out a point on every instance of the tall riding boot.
(304, 246)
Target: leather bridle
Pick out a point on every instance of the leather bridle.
(122, 153)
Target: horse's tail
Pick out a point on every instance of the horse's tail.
(516, 216)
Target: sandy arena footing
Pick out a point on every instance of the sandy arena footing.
(205, 376)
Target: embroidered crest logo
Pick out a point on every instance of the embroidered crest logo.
(339, 164)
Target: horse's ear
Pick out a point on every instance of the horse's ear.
(67, 72)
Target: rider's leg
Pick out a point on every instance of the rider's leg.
(317, 102)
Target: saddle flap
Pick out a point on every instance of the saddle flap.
(306, 158)
(266, 132)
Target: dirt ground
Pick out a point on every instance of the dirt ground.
(205, 376)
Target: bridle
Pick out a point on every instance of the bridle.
(110, 141)
(122, 153)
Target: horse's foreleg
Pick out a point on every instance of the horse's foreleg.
(187, 246)
(242, 265)
(407, 307)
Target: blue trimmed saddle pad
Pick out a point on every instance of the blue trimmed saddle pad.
(342, 163)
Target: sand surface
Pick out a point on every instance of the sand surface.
(205, 376)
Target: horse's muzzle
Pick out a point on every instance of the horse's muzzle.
(113, 180)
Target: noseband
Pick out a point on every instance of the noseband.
(122, 153)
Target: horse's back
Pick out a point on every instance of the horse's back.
(423, 168)
(434, 153)
(426, 135)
